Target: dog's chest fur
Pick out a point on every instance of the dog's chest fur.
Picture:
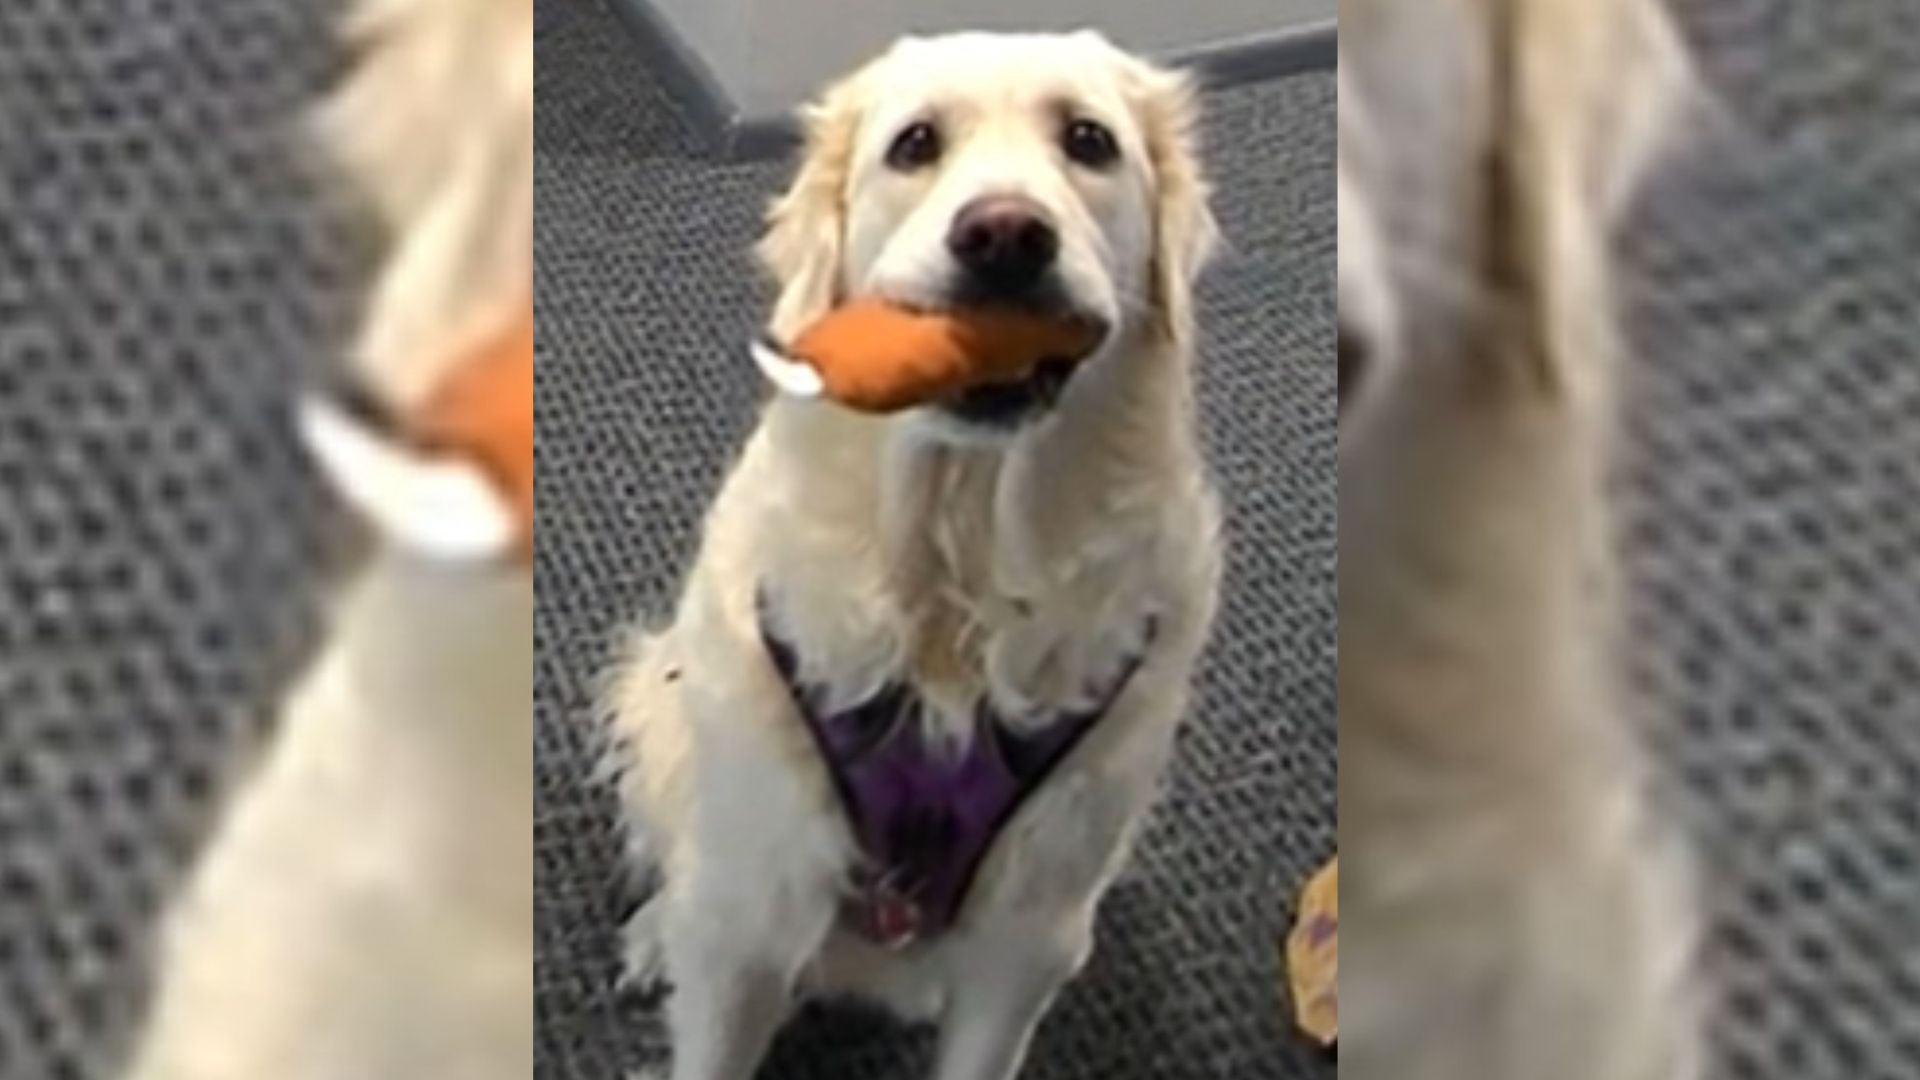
(967, 574)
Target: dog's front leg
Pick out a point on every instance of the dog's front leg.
(731, 990)
(724, 1017)
(1002, 985)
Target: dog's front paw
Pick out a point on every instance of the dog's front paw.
(643, 957)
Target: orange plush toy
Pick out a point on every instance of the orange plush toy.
(484, 410)
(876, 356)
(452, 475)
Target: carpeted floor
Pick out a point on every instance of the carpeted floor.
(646, 298)
(1773, 495)
(168, 272)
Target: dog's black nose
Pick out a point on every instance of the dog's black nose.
(1005, 242)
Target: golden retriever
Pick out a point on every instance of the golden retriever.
(1006, 577)
(1514, 910)
(365, 909)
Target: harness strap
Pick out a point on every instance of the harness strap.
(925, 815)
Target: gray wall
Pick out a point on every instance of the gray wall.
(768, 55)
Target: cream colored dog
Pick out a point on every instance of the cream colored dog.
(1512, 908)
(364, 911)
(986, 573)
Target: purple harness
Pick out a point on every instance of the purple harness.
(925, 819)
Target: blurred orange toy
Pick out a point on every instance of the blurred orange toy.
(1313, 957)
(484, 411)
(876, 356)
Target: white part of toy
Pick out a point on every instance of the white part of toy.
(791, 376)
(442, 508)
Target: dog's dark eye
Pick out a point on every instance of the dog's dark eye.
(917, 146)
(1089, 143)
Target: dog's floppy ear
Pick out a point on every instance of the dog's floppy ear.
(435, 122)
(1582, 98)
(1650, 87)
(1184, 231)
(805, 242)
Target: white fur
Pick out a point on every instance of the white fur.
(1513, 906)
(364, 911)
(1017, 567)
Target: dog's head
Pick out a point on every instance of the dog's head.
(1486, 147)
(1051, 172)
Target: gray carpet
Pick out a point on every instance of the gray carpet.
(167, 272)
(646, 298)
(1773, 489)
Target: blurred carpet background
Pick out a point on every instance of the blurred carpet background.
(170, 268)
(1772, 488)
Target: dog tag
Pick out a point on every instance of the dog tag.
(893, 918)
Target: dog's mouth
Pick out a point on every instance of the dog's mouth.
(1007, 404)
(1046, 301)
(1010, 403)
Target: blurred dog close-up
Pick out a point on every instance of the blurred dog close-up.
(1515, 905)
(364, 908)
(928, 665)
